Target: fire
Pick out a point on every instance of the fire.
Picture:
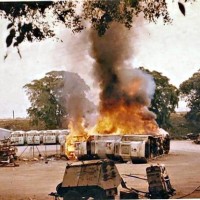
(119, 119)
(127, 119)
(125, 92)
(123, 110)
(77, 134)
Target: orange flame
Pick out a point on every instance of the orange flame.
(127, 119)
(120, 118)
(77, 134)
(123, 119)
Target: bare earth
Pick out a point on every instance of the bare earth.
(34, 180)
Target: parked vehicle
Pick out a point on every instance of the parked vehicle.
(135, 148)
(197, 141)
(61, 135)
(71, 146)
(97, 146)
(33, 137)
(192, 136)
(17, 138)
(49, 137)
(103, 146)
(39, 137)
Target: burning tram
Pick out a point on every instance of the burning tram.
(132, 147)
(139, 148)
(97, 146)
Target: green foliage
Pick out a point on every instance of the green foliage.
(45, 97)
(180, 126)
(190, 90)
(165, 98)
(55, 98)
(36, 20)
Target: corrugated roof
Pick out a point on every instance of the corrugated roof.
(4, 133)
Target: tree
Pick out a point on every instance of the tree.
(31, 20)
(54, 98)
(190, 90)
(45, 97)
(165, 98)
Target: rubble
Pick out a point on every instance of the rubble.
(7, 153)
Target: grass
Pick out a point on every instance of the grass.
(16, 124)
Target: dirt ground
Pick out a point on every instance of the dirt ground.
(34, 180)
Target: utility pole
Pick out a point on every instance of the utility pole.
(13, 114)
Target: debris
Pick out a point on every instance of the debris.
(128, 195)
(7, 153)
(41, 158)
(35, 159)
(159, 182)
(197, 141)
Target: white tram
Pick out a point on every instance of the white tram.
(49, 137)
(18, 137)
(61, 137)
(33, 137)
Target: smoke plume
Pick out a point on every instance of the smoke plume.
(77, 104)
(119, 82)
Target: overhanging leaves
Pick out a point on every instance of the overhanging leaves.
(182, 8)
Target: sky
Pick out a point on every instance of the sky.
(171, 49)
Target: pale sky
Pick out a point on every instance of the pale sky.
(173, 50)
